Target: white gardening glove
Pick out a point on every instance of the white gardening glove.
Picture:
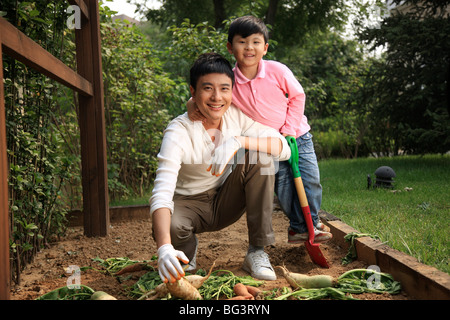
(169, 266)
(222, 155)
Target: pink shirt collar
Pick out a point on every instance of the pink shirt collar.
(239, 77)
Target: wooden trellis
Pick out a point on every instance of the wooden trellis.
(88, 82)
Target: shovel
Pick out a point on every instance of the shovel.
(313, 248)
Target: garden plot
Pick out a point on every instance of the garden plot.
(131, 243)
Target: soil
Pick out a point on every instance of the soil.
(133, 239)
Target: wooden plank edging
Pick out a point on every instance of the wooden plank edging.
(117, 214)
(418, 280)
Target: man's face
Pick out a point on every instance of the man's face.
(248, 51)
(213, 96)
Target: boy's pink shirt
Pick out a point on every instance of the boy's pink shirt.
(264, 98)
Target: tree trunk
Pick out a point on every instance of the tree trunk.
(271, 12)
(219, 13)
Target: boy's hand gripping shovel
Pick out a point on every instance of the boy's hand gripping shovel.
(313, 248)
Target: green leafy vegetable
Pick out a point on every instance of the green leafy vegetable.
(114, 265)
(351, 254)
(221, 283)
(368, 280)
(146, 283)
(65, 293)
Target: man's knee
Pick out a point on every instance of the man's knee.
(263, 162)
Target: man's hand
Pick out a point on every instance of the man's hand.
(222, 155)
(169, 266)
(193, 113)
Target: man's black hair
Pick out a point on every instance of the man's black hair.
(208, 63)
(247, 25)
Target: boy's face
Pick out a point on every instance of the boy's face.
(248, 51)
(213, 95)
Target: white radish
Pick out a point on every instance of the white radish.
(196, 280)
(183, 289)
(298, 280)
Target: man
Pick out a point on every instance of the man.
(198, 190)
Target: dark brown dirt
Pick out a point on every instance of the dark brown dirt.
(133, 239)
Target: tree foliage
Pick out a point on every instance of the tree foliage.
(138, 95)
(411, 81)
(291, 20)
(331, 70)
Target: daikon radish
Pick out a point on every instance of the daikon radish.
(101, 295)
(183, 289)
(196, 280)
(298, 280)
(162, 289)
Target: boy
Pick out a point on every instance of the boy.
(268, 92)
(195, 189)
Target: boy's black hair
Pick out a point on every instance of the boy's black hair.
(208, 63)
(247, 25)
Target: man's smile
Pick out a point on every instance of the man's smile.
(215, 106)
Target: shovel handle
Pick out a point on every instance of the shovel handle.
(305, 207)
(301, 192)
(293, 161)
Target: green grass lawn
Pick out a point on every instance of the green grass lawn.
(133, 201)
(415, 222)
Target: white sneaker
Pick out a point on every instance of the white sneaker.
(258, 265)
(321, 227)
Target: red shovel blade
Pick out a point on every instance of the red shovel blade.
(316, 254)
(313, 249)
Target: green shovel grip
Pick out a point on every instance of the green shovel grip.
(293, 160)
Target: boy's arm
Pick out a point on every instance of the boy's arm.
(193, 113)
(296, 105)
(269, 145)
(223, 153)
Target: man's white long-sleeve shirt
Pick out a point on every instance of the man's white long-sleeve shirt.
(187, 148)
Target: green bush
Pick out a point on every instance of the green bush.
(138, 94)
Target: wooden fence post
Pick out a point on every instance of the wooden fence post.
(92, 126)
(5, 266)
